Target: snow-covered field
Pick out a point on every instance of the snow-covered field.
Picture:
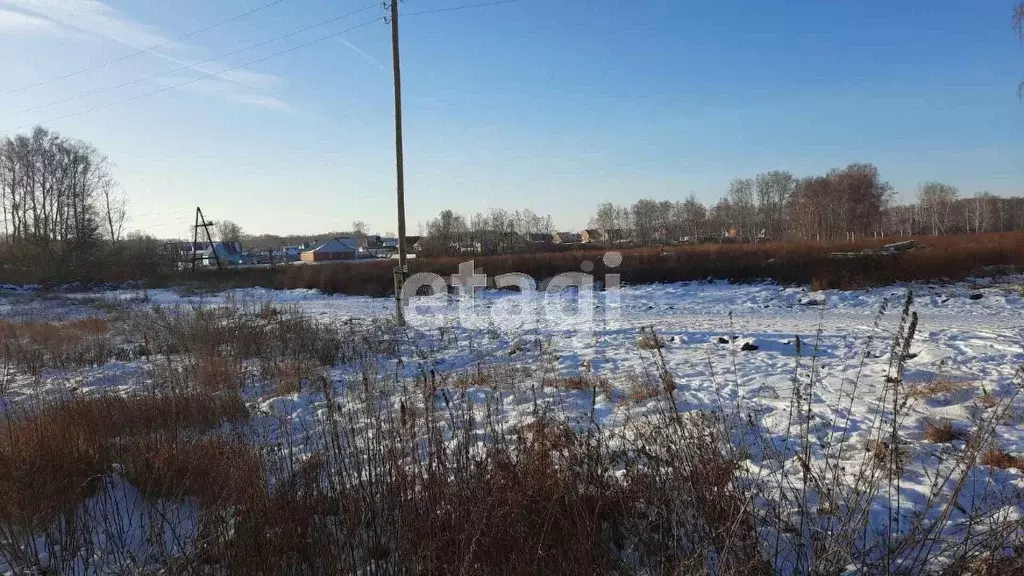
(736, 348)
(968, 332)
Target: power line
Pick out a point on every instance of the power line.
(462, 7)
(188, 66)
(143, 50)
(197, 79)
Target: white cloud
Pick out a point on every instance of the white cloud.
(18, 23)
(96, 18)
(215, 86)
(364, 54)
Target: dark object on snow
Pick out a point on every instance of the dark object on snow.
(900, 246)
(748, 347)
(723, 340)
(910, 356)
(976, 296)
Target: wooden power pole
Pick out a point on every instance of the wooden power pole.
(403, 267)
(195, 238)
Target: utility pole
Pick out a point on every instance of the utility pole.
(195, 237)
(403, 267)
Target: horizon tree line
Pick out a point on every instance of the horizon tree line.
(843, 204)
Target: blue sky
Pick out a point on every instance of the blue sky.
(553, 106)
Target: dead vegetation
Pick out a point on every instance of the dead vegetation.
(796, 262)
(650, 341)
(937, 389)
(943, 432)
(54, 454)
(1000, 459)
(430, 475)
(33, 346)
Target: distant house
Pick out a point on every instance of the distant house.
(228, 253)
(567, 238)
(294, 253)
(374, 241)
(335, 249)
(609, 235)
(532, 238)
(390, 242)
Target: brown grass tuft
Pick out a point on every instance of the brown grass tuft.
(32, 346)
(999, 459)
(215, 471)
(988, 401)
(53, 455)
(216, 373)
(885, 453)
(943, 432)
(650, 341)
(937, 388)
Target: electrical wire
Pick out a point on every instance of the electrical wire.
(199, 78)
(187, 66)
(239, 66)
(462, 7)
(143, 50)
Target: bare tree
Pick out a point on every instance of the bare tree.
(694, 217)
(360, 228)
(115, 209)
(51, 190)
(774, 190)
(744, 211)
(936, 200)
(228, 231)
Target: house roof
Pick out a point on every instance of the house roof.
(537, 237)
(338, 245)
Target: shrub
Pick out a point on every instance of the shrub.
(52, 455)
(942, 432)
(999, 459)
(796, 262)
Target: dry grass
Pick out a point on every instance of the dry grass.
(943, 432)
(418, 477)
(885, 452)
(291, 376)
(642, 391)
(33, 346)
(937, 389)
(999, 459)
(218, 373)
(54, 454)
(808, 263)
(650, 341)
(218, 472)
(988, 401)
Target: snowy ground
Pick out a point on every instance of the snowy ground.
(969, 333)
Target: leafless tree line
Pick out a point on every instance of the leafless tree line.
(57, 193)
(497, 231)
(844, 204)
